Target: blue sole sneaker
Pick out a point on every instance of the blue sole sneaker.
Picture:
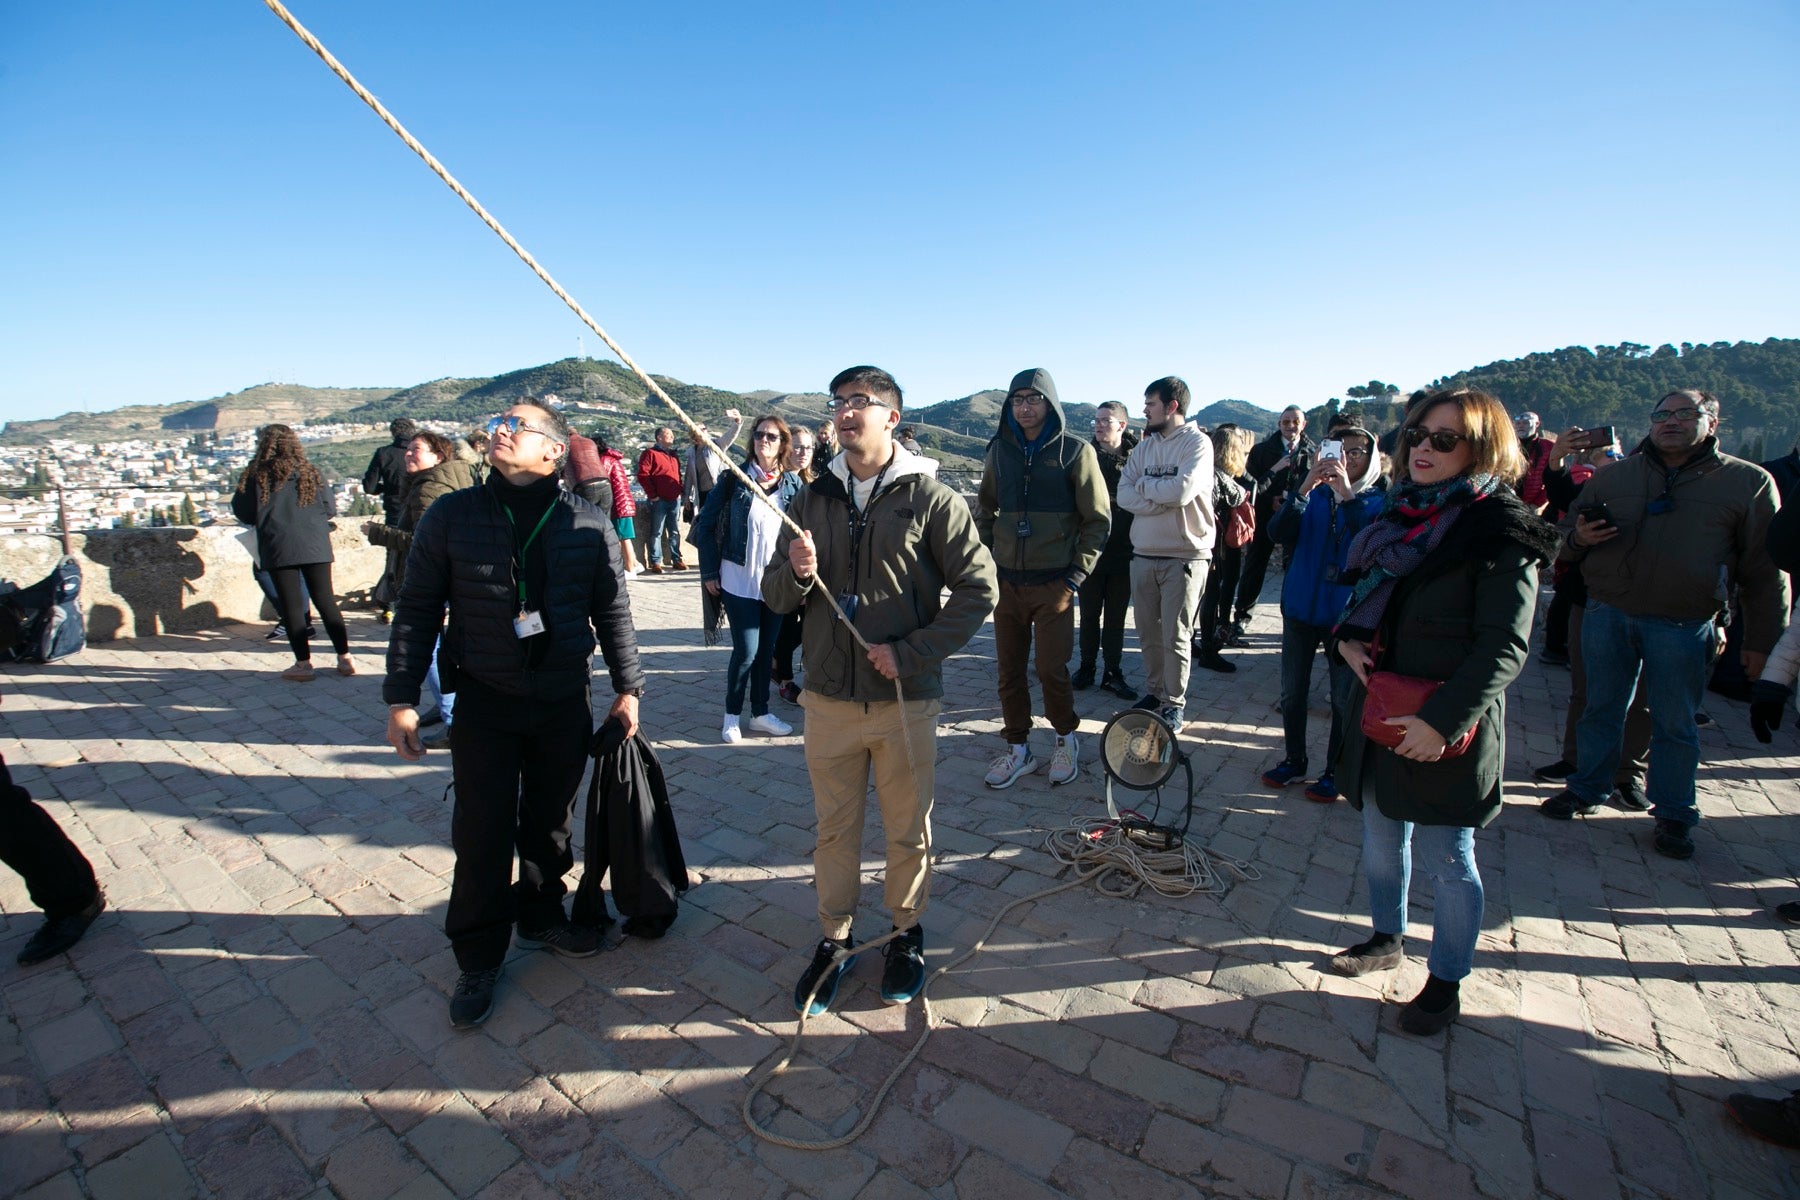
(904, 975)
(824, 971)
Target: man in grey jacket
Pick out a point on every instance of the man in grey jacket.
(886, 540)
(1661, 537)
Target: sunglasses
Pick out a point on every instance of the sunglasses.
(514, 425)
(765, 435)
(1441, 441)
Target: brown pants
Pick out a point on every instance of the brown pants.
(1634, 749)
(847, 743)
(1046, 612)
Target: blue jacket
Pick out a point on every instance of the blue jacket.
(722, 530)
(1319, 529)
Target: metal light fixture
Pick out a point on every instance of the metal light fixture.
(1140, 751)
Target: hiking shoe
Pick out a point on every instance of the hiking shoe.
(1566, 805)
(1283, 773)
(1379, 953)
(731, 731)
(1789, 911)
(789, 691)
(1554, 658)
(1672, 839)
(1629, 796)
(904, 973)
(1114, 682)
(770, 725)
(823, 973)
(474, 998)
(1149, 703)
(1083, 679)
(1775, 1121)
(1173, 717)
(1006, 769)
(1324, 791)
(300, 672)
(58, 934)
(1554, 772)
(653, 569)
(1212, 660)
(567, 939)
(1063, 760)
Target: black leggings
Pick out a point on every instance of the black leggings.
(293, 607)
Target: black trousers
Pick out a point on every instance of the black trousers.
(786, 642)
(518, 763)
(292, 599)
(1105, 599)
(1256, 567)
(1221, 587)
(58, 877)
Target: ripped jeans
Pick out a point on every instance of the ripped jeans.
(1447, 854)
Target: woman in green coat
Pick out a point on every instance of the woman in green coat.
(1445, 582)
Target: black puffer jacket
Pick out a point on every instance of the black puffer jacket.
(462, 554)
(288, 534)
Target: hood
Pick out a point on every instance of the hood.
(905, 463)
(1372, 472)
(1038, 379)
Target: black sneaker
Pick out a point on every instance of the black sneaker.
(474, 998)
(567, 939)
(1148, 703)
(1673, 839)
(1629, 796)
(904, 973)
(1566, 805)
(1555, 772)
(277, 634)
(1114, 682)
(1212, 660)
(1082, 680)
(1284, 772)
(58, 934)
(823, 974)
(1789, 911)
(1775, 1121)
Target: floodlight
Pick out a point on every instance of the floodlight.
(1140, 751)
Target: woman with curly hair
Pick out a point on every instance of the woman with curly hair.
(285, 499)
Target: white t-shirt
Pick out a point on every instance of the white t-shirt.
(745, 579)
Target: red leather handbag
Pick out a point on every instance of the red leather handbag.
(1393, 695)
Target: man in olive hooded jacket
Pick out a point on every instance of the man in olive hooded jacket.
(1043, 511)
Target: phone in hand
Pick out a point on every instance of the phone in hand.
(1597, 512)
(1331, 448)
(1592, 439)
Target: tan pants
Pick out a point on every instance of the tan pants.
(847, 744)
(1165, 598)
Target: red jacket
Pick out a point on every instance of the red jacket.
(659, 471)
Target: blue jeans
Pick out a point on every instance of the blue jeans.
(665, 518)
(1300, 644)
(433, 689)
(1449, 858)
(754, 626)
(1674, 657)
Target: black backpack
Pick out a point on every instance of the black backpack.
(49, 615)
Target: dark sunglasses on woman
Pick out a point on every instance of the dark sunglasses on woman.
(1441, 440)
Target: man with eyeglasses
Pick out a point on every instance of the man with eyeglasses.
(659, 474)
(518, 651)
(1042, 509)
(1106, 596)
(886, 540)
(1661, 538)
(1167, 486)
(1276, 463)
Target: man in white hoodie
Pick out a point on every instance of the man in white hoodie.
(1167, 486)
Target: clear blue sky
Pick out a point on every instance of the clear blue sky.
(1271, 200)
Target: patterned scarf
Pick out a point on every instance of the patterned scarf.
(1411, 525)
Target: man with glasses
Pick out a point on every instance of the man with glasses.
(1661, 537)
(1276, 464)
(659, 474)
(1167, 486)
(518, 651)
(1106, 596)
(886, 541)
(1043, 511)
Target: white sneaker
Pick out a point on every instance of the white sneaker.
(770, 724)
(730, 731)
(1062, 762)
(1008, 767)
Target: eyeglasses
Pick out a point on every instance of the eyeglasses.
(1441, 440)
(513, 425)
(854, 403)
(766, 435)
(1662, 416)
(1030, 399)
(802, 447)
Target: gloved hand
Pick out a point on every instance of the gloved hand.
(1767, 700)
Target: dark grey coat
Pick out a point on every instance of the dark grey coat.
(287, 533)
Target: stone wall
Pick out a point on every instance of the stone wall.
(142, 582)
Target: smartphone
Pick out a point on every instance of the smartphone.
(1596, 512)
(1594, 438)
(1331, 448)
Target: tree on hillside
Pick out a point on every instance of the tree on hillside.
(1374, 390)
(188, 514)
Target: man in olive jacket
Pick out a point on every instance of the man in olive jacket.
(1043, 511)
(1661, 537)
(886, 540)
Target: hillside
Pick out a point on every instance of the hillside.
(293, 404)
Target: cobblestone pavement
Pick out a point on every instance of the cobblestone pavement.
(261, 1012)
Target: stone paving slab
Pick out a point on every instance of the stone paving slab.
(262, 1010)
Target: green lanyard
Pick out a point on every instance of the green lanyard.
(519, 557)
